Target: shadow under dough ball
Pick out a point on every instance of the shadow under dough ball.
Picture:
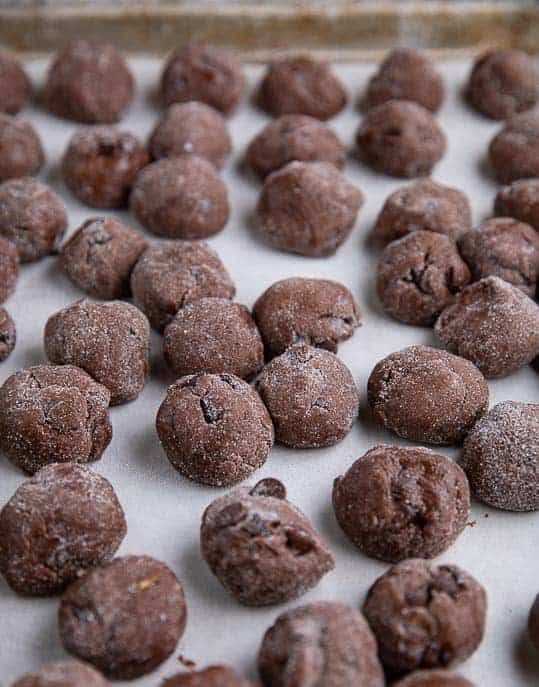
(519, 200)
(172, 274)
(213, 676)
(125, 617)
(32, 216)
(418, 276)
(501, 457)
(311, 397)
(425, 616)
(514, 151)
(317, 312)
(324, 643)
(15, 87)
(308, 208)
(493, 324)
(59, 524)
(424, 394)
(9, 268)
(21, 153)
(433, 678)
(395, 503)
(53, 414)
(8, 334)
(260, 547)
(214, 429)
(89, 83)
(533, 624)
(63, 674)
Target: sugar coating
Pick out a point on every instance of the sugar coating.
(21, 153)
(514, 150)
(16, 85)
(519, 200)
(9, 268)
(8, 334)
(63, 674)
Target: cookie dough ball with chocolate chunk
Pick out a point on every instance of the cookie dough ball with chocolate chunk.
(21, 153)
(433, 678)
(110, 341)
(501, 457)
(533, 624)
(418, 275)
(505, 248)
(53, 414)
(32, 216)
(15, 85)
(308, 208)
(311, 397)
(214, 676)
(514, 151)
(302, 85)
(260, 547)
(493, 324)
(125, 617)
(214, 428)
(324, 643)
(181, 197)
(406, 74)
(425, 616)
(9, 268)
(214, 335)
(424, 394)
(59, 524)
(502, 83)
(8, 334)
(173, 274)
(294, 137)
(396, 503)
(205, 73)
(401, 138)
(63, 674)
(519, 200)
(90, 83)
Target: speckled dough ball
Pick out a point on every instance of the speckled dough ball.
(514, 151)
(302, 85)
(21, 153)
(8, 334)
(110, 341)
(53, 414)
(173, 274)
(501, 457)
(181, 197)
(324, 643)
(214, 676)
(424, 394)
(205, 73)
(214, 335)
(59, 524)
(395, 503)
(125, 617)
(493, 324)
(502, 83)
(308, 208)
(63, 674)
(533, 624)
(32, 216)
(406, 74)
(311, 397)
(433, 678)
(9, 268)
(425, 616)
(401, 138)
(214, 428)
(90, 83)
(294, 137)
(418, 275)
(519, 200)
(15, 85)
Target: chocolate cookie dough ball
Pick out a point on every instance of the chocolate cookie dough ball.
(15, 85)
(8, 334)
(99, 257)
(425, 616)
(260, 547)
(317, 312)
(59, 524)
(21, 154)
(63, 674)
(311, 397)
(519, 200)
(9, 268)
(32, 216)
(110, 341)
(308, 208)
(173, 274)
(502, 83)
(205, 73)
(418, 275)
(503, 247)
(325, 643)
(214, 676)
(90, 83)
(406, 74)
(533, 624)
(302, 85)
(424, 394)
(294, 137)
(53, 414)
(214, 335)
(214, 429)
(125, 618)
(514, 151)
(424, 205)
(401, 138)
(433, 678)
(493, 324)
(501, 457)
(395, 503)
(181, 197)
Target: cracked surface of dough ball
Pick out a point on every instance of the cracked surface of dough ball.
(21, 152)
(519, 200)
